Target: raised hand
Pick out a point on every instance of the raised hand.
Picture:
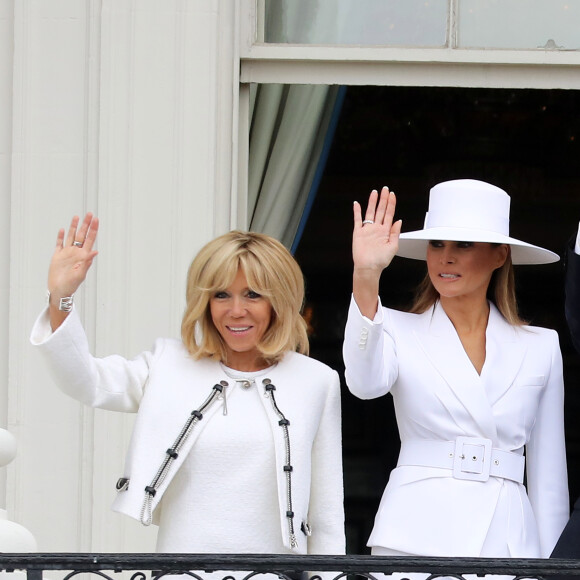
(375, 242)
(72, 258)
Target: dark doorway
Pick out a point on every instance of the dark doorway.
(524, 141)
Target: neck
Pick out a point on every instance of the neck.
(466, 315)
(246, 364)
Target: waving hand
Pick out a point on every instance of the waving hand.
(375, 242)
(72, 258)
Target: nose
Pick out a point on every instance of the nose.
(238, 307)
(447, 254)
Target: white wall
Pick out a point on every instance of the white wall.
(6, 40)
(125, 108)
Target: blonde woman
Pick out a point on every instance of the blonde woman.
(236, 445)
(473, 386)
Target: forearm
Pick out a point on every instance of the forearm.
(113, 383)
(369, 354)
(365, 290)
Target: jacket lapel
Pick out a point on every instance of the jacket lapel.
(275, 376)
(461, 383)
(173, 413)
(503, 358)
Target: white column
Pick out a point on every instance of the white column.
(126, 108)
(6, 54)
(47, 493)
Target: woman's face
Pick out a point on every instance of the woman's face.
(463, 269)
(241, 316)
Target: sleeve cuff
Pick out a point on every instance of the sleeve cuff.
(42, 331)
(378, 318)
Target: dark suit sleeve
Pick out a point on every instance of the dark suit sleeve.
(568, 545)
(572, 287)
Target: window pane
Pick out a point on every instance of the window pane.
(521, 24)
(357, 22)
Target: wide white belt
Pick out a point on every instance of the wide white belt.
(467, 458)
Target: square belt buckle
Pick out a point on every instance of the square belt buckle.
(472, 458)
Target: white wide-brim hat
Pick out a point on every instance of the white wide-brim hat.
(467, 210)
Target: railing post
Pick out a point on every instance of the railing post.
(34, 574)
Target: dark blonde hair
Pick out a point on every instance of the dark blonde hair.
(270, 271)
(501, 291)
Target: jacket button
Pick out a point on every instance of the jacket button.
(122, 483)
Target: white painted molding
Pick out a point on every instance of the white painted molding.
(6, 62)
(125, 108)
(165, 188)
(275, 68)
(49, 116)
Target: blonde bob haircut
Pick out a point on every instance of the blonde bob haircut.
(270, 270)
(501, 291)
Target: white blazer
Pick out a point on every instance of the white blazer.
(165, 385)
(516, 403)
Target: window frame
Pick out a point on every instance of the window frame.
(388, 66)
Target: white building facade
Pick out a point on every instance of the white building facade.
(140, 111)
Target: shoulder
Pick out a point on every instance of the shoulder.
(172, 352)
(169, 345)
(165, 347)
(537, 334)
(405, 316)
(306, 366)
(541, 331)
(571, 256)
(525, 333)
(540, 342)
(406, 320)
(306, 382)
(301, 361)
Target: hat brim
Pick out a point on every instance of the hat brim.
(414, 244)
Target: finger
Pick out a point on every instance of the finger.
(394, 234)
(85, 265)
(396, 231)
(91, 258)
(357, 213)
(81, 233)
(372, 205)
(382, 207)
(390, 208)
(72, 230)
(91, 235)
(60, 239)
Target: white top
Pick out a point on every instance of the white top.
(219, 477)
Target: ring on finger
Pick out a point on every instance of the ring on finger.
(368, 222)
(77, 244)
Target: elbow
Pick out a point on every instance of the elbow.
(365, 390)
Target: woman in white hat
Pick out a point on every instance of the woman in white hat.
(473, 386)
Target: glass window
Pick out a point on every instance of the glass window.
(519, 24)
(357, 22)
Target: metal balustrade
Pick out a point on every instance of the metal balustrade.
(287, 567)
